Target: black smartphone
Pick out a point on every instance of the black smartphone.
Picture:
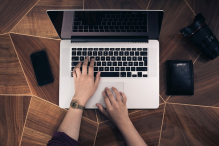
(41, 68)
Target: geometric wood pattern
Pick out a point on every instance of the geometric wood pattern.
(13, 111)
(25, 46)
(171, 124)
(44, 118)
(12, 79)
(12, 11)
(37, 22)
(190, 125)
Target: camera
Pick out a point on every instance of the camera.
(201, 35)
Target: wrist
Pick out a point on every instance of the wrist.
(124, 125)
(79, 100)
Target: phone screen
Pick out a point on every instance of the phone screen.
(41, 68)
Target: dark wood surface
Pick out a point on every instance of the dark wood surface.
(44, 118)
(190, 126)
(183, 124)
(12, 11)
(13, 111)
(12, 79)
(37, 22)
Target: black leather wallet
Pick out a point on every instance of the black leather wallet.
(180, 77)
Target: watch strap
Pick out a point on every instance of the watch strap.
(75, 105)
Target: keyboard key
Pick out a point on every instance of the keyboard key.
(109, 74)
(90, 49)
(105, 53)
(98, 63)
(135, 63)
(111, 68)
(141, 68)
(131, 53)
(122, 68)
(111, 49)
(95, 49)
(72, 68)
(136, 53)
(95, 68)
(145, 49)
(91, 57)
(145, 75)
(78, 53)
(106, 69)
(126, 53)
(81, 58)
(130, 63)
(103, 58)
(119, 63)
(109, 63)
(127, 68)
(111, 53)
(133, 49)
(132, 68)
(139, 74)
(139, 58)
(100, 53)
(143, 53)
(100, 49)
(107, 58)
(73, 53)
(128, 49)
(140, 63)
(120, 53)
(129, 74)
(113, 58)
(145, 61)
(84, 48)
(115, 53)
(123, 58)
(84, 53)
(100, 68)
(74, 63)
(75, 58)
(134, 75)
(107, 49)
(73, 49)
(123, 49)
(114, 63)
(124, 63)
(94, 53)
(123, 74)
(89, 53)
(103, 63)
(97, 59)
(118, 49)
(118, 58)
(79, 49)
(139, 49)
(128, 58)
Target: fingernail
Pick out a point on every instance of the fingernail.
(103, 92)
(99, 73)
(106, 88)
(113, 87)
(92, 59)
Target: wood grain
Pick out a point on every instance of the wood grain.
(12, 11)
(206, 80)
(173, 46)
(147, 123)
(115, 4)
(12, 79)
(190, 126)
(44, 118)
(37, 22)
(26, 45)
(13, 111)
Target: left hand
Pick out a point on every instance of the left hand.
(85, 86)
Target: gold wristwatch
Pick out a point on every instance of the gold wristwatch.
(74, 104)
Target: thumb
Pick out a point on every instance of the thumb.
(103, 110)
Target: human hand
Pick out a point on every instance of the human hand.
(116, 109)
(85, 86)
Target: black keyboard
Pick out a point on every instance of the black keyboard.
(111, 21)
(114, 62)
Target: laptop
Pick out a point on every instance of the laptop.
(125, 46)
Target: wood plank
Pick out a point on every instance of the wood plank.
(12, 11)
(190, 125)
(13, 111)
(25, 46)
(115, 4)
(206, 80)
(44, 118)
(173, 46)
(147, 123)
(37, 22)
(12, 78)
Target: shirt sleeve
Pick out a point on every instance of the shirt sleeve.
(62, 139)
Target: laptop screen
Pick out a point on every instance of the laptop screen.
(106, 23)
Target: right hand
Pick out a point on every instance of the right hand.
(116, 109)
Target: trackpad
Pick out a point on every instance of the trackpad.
(98, 96)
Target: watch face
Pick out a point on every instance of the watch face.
(74, 104)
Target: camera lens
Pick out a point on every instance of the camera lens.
(201, 35)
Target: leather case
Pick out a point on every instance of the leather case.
(180, 77)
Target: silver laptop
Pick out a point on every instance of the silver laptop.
(125, 46)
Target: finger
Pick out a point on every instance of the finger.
(110, 95)
(118, 95)
(91, 68)
(106, 99)
(124, 98)
(102, 110)
(84, 66)
(74, 74)
(77, 69)
(97, 79)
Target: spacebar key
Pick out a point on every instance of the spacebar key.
(109, 74)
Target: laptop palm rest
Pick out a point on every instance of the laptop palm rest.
(98, 96)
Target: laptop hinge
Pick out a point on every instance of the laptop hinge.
(109, 39)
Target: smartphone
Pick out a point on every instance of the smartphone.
(41, 68)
